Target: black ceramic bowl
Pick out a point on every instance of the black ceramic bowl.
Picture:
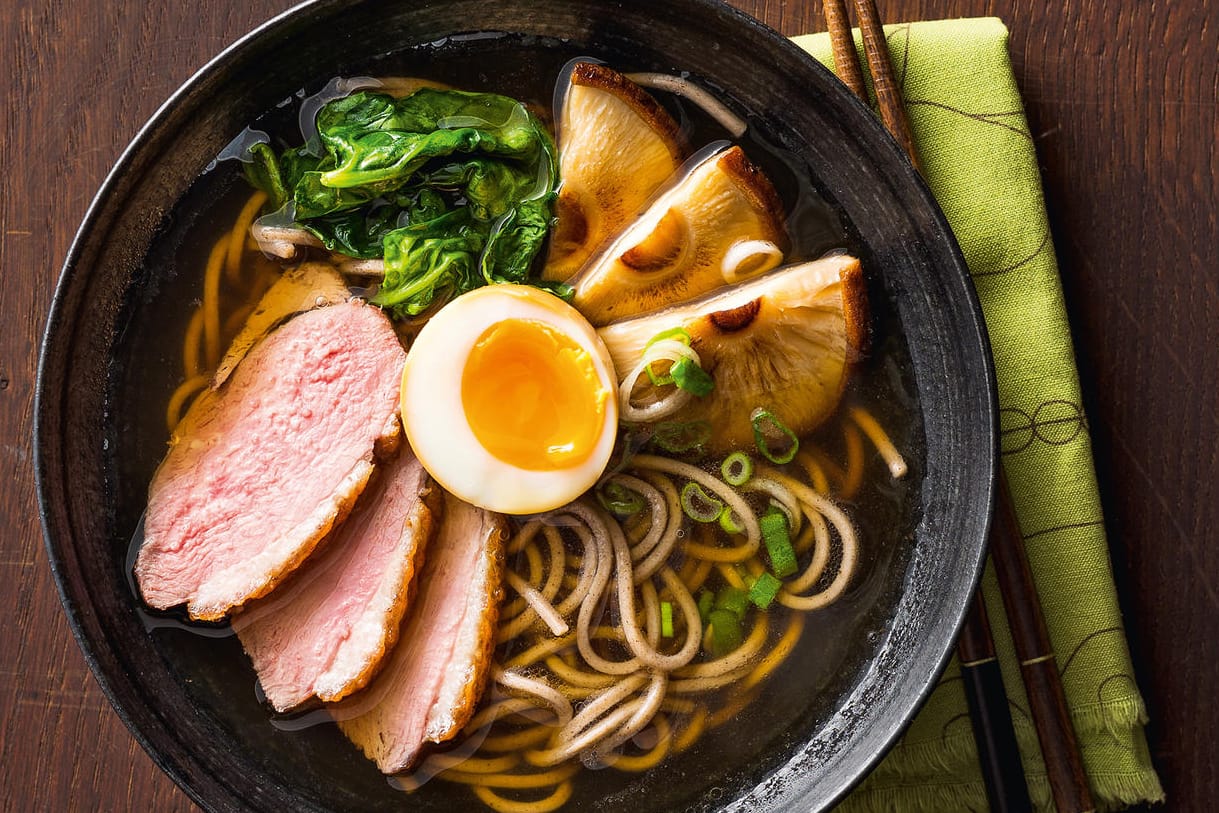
(110, 351)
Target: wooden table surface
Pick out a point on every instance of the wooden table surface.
(1121, 95)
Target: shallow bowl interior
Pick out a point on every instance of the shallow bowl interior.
(204, 727)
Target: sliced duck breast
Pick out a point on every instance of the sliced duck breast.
(301, 288)
(259, 471)
(326, 630)
(439, 668)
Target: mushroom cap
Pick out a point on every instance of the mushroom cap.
(783, 341)
(688, 242)
(617, 145)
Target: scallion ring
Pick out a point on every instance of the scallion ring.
(730, 522)
(767, 426)
(681, 436)
(620, 500)
(663, 402)
(737, 468)
(679, 334)
(699, 505)
(667, 349)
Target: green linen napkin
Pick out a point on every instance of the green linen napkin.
(979, 161)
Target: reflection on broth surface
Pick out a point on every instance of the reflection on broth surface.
(698, 609)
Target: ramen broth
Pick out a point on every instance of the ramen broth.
(837, 641)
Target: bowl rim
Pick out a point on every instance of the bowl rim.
(71, 271)
(67, 275)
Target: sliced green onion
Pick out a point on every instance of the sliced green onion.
(733, 599)
(560, 289)
(666, 619)
(791, 521)
(679, 334)
(706, 603)
(687, 375)
(619, 500)
(764, 590)
(723, 632)
(778, 542)
(659, 380)
(729, 521)
(675, 334)
(679, 436)
(737, 468)
(766, 424)
(699, 505)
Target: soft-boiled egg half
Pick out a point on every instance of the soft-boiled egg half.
(509, 400)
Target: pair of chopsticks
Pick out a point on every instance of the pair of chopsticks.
(997, 750)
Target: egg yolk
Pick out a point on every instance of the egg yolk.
(532, 396)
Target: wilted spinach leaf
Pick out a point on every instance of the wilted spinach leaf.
(452, 189)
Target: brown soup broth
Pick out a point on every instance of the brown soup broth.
(838, 642)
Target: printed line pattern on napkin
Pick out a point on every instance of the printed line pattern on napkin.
(980, 161)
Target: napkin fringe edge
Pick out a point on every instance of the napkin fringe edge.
(1119, 791)
(1127, 714)
(1121, 719)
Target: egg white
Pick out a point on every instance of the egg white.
(435, 420)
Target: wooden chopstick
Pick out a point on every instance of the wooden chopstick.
(1059, 748)
(998, 752)
(888, 94)
(992, 724)
(991, 719)
(846, 59)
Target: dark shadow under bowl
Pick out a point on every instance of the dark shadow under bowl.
(107, 363)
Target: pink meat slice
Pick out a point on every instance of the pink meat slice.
(261, 470)
(440, 666)
(325, 631)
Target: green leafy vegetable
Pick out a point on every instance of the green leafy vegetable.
(453, 190)
(263, 172)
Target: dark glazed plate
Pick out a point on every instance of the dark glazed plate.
(103, 370)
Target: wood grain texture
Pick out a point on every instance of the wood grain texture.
(1122, 99)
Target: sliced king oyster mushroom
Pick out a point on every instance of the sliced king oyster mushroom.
(688, 242)
(617, 145)
(783, 342)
